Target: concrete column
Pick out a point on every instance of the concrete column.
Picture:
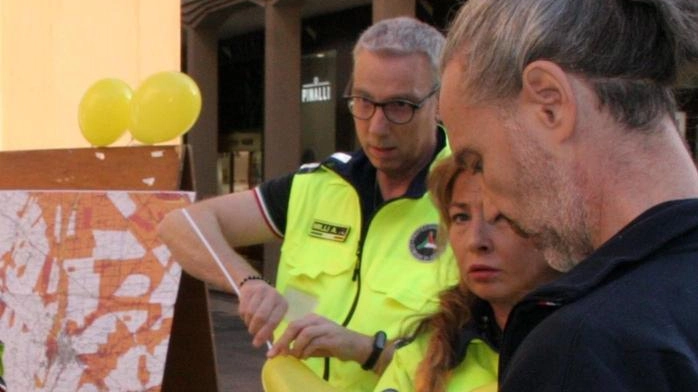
(282, 106)
(282, 75)
(191, 335)
(384, 9)
(202, 20)
(202, 66)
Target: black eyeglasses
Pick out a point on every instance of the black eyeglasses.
(397, 111)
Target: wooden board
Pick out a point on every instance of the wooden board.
(113, 168)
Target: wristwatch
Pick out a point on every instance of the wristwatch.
(379, 340)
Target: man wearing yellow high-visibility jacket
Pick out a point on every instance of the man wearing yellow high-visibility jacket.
(359, 230)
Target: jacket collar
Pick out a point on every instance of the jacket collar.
(649, 232)
(482, 325)
(652, 230)
(356, 168)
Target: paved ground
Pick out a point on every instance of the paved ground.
(239, 363)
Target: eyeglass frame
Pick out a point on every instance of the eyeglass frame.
(413, 105)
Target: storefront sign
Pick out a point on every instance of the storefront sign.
(316, 91)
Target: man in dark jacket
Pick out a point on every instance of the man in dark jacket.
(565, 107)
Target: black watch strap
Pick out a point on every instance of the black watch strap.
(379, 340)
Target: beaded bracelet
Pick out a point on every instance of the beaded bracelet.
(251, 277)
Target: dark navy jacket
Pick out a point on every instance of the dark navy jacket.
(624, 319)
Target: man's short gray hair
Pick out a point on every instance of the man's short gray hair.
(403, 36)
(630, 51)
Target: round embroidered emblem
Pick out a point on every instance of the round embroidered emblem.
(423, 243)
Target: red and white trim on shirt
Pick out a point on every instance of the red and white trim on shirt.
(265, 213)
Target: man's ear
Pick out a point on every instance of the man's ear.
(548, 94)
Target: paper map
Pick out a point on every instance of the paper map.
(87, 290)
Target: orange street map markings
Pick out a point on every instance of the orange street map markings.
(87, 290)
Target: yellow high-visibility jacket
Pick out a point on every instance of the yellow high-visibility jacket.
(380, 279)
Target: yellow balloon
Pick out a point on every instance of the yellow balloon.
(289, 374)
(165, 105)
(104, 111)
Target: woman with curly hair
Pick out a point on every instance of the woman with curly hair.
(456, 347)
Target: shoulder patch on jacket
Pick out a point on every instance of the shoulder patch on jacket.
(341, 156)
(308, 167)
(338, 161)
(335, 161)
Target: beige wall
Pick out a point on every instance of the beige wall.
(51, 51)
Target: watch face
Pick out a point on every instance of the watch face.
(380, 339)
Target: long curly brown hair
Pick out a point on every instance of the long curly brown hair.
(455, 303)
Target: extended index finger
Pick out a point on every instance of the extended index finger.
(283, 344)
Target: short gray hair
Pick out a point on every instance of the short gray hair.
(403, 36)
(630, 51)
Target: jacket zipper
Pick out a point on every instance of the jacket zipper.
(356, 277)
